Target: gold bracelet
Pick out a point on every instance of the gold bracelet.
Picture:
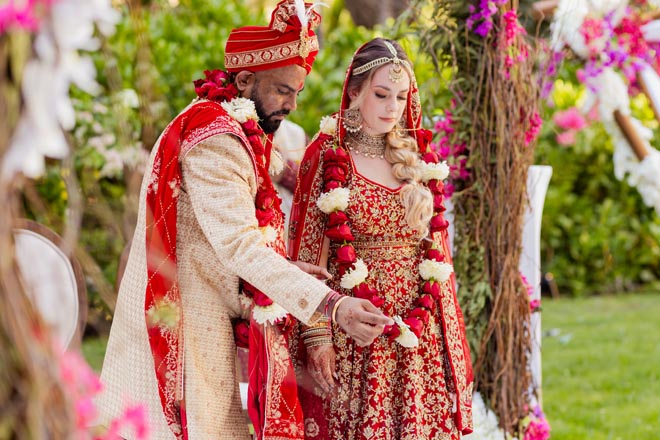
(336, 306)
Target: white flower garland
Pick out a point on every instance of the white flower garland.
(435, 270)
(406, 337)
(241, 109)
(269, 233)
(328, 125)
(271, 314)
(355, 276)
(334, 200)
(434, 171)
(276, 163)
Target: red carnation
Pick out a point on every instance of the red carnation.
(377, 301)
(364, 291)
(217, 76)
(416, 326)
(335, 172)
(430, 157)
(426, 301)
(335, 155)
(337, 218)
(434, 254)
(251, 127)
(264, 216)
(340, 233)
(437, 201)
(424, 138)
(332, 184)
(392, 332)
(436, 186)
(438, 223)
(265, 199)
(257, 145)
(260, 299)
(346, 255)
(222, 93)
(421, 314)
(242, 333)
(433, 289)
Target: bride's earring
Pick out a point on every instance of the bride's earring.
(352, 120)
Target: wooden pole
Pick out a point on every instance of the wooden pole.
(634, 140)
(543, 9)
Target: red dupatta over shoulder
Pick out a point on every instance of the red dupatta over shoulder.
(308, 228)
(272, 386)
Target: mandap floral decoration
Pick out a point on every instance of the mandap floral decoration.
(617, 43)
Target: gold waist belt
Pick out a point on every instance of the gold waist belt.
(387, 250)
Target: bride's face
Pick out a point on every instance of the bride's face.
(384, 101)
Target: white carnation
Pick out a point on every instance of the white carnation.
(241, 109)
(334, 200)
(329, 125)
(355, 276)
(406, 337)
(272, 313)
(435, 171)
(276, 163)
(436, 270)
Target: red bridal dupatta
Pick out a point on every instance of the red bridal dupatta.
(272, 386)
(306, 236)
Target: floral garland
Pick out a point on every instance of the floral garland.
(353, 271)
(217, 86)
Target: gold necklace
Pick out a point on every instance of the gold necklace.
(366, 145)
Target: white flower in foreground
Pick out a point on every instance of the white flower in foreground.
(436, 270)
(272, 313)
(435, 171)
(406, 337)
(241, 109)
(334, 200)
(329, 125)
(485, 422)
(276, 163)
(355, 276)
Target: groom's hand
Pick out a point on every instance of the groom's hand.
(361, 320)
(318, 271)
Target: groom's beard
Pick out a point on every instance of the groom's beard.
(266, 121)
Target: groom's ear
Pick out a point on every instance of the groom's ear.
(244, 82)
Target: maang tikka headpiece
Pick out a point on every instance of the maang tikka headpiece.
(396, 70)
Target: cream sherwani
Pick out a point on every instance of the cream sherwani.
(218, 243)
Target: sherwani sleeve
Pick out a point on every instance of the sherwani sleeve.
(219, 177)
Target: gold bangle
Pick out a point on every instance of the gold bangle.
(336, 306)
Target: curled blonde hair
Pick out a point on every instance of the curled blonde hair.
(401, 152)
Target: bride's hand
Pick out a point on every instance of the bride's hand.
(321, 364)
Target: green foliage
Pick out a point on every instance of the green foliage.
(600, 378)
(597, 234)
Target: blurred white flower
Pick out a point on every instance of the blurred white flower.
(329, 125)
(128, 98)
(272, 313)
(334, 200)
(434, 171)
(406, 337)
(355, 276)
(241, 109)
(435, 270)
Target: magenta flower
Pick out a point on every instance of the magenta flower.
(570, 119)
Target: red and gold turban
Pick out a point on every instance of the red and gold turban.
(288, 39)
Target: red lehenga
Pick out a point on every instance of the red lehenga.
(384, 391)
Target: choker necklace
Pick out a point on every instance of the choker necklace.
(366, 145)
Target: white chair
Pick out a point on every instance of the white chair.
(54, 281)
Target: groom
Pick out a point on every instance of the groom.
(208, 250)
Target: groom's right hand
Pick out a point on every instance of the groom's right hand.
(361, 320)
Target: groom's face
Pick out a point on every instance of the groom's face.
(274, 93)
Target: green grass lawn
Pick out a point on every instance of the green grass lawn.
(601, 367)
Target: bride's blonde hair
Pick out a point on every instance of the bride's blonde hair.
(401, 149)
